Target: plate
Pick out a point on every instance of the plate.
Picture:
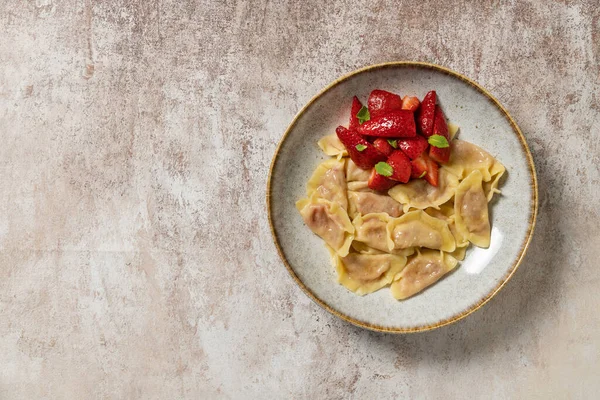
(483, 121)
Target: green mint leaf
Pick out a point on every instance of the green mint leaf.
(360, 147)
(363, 115)
(423, 174)
(393, 143)
(384, 169)
(438, 141)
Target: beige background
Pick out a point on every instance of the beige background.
(135, 254)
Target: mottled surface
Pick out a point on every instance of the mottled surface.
(135, 254)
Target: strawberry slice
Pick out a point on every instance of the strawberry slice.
(394, 124)
(425, 165)
(410, 103)
(426, 113)
(356, 106)
(401, 167)
(413, 147)
(383, 146)
(380, 182)
(363, 153)
(440, 127)
(381, 102)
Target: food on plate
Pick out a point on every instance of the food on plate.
(400, 199)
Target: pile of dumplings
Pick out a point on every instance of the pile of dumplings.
(408, 238)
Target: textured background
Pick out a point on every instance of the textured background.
(135, 254)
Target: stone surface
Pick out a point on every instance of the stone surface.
(135, 254)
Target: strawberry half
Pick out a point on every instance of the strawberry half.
(363, 153)
(413, 147)
(383, 146)
(356, 106)
(425, 165)
(380, 182)
(401, 167)
(394, 124)
(381, 102)
(440, 127)
(410, 103)
(426, 114)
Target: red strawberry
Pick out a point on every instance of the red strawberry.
(380, 182)
(413, 147)
(356, 106)
(440, 127)
(394, 124)
(401, 167)
(426, 113)
(381, 102)
(363, 153)
(424, 164)
(383, 146)
(410, 103)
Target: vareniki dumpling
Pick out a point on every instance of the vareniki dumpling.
(329, 182)
(466, 157)
(422, 270)
(368, 202)
(332, 146)
(366, 273)
(418, 229)
(419, 194)
(329, 221)
(471, 211)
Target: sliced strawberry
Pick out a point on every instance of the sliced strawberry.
(380, 182)
(356, 106)
(400, 166)
(426, 114)
(413, 147)
(383, 146)
(440, 127)
(381, 102)
(425, 165)
(365, 156)
(394, 124)
(410, 103)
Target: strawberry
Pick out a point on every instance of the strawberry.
(383, 146)
(363, 153)
(424, 164)
(413, 147)
(380, 182)
(410, 103)
(356, 106)
(426, 113)
(393, 124)
(401, 167)
(440, 154)
(381, 102)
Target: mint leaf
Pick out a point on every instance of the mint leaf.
(393, 143)
(360, 147)
(423, 174)
(383, 168)
(363, 115)
(438, 141)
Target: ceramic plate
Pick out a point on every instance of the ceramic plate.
(481, 275)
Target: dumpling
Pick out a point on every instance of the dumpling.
(422, 270)
(419, 194)
(362, 248)
(491, 187)
(332, 146)
(417, 229)
(329, 221)
(452, 130)
(366, 273)
(367, 203)
(466, 157)
(329, 182)
(359, 186)
(356, 174)
(371, 230)
(471, 211)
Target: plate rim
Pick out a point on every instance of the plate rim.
(533, 201)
